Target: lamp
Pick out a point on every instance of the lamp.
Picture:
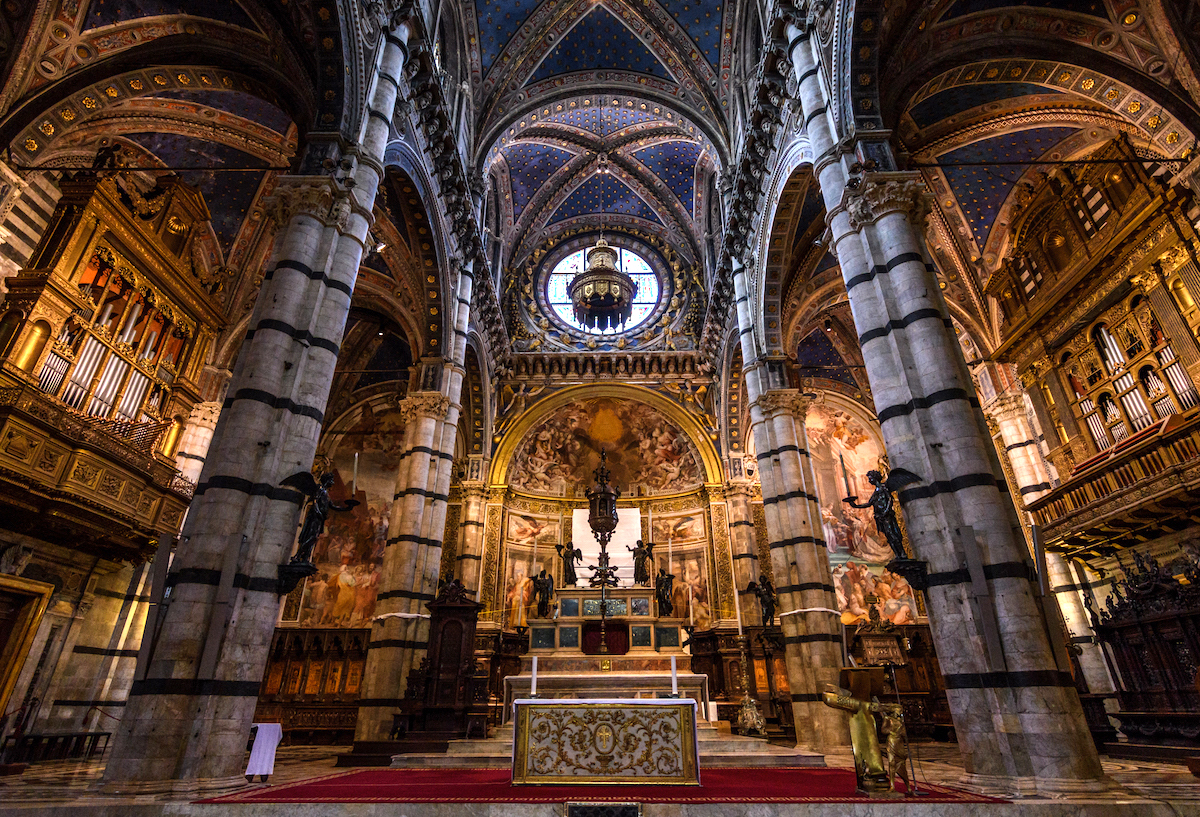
(602, 295)
(602, 519)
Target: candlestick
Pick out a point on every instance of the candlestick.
(670, 566)
(691, 607)
(533, 679)
(355, 490)
(845, 479)
(674, 678)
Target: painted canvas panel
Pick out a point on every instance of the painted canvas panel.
(529, 541)
(845, 445)
(681, 541)
(349, 555)
(644, 448)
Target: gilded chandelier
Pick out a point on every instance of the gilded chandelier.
(602, 295)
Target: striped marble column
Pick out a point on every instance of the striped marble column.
(743, 546)
(470, 555)
(1016, 713)
(197, 436)
(788, 529)
(189, 714)
(400, 632)
(1033, 481)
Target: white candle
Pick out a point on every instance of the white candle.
(355, 473)
(691, 607)
(533, 679)
(737, 608)
(670, 567)
(649, 522)
(674, 678)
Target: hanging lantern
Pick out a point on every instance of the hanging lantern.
(602, 295)
(602, 504)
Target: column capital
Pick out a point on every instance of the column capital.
(1005, 406)
(424, 404)
(739, 489)
(890, 192)
(790, 401)
(1147, 280)
(320, 197)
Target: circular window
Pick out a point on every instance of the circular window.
(558, 293)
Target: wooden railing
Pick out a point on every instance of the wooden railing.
(1153, 454)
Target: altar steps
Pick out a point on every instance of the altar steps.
(717, 749)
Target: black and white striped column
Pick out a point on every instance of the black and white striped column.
(1016, 712)
(190, 710)
(811, 654)
(400, 631)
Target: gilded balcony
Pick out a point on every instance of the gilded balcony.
(1144, 487)
(83, 482)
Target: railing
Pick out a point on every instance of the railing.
(128, 442)
(1152, 453)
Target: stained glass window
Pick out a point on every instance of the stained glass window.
(559, 297)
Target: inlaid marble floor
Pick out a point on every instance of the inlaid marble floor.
(71, 782)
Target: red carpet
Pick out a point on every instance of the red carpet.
(492, 786)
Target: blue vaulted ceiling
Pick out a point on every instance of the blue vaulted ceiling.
(529, 166)
(109, 12)
(599, 41)
(228, 195)
(818, 358)
(943, 104)
(238, 103)
(702, 21)
(603, 121)
(600, 195)
(498, 22)
(982, 190)
(962, 8)
(675, 163)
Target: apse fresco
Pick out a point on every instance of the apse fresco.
(644, 449)
(529, 541)
(682, 541)
(349, 556)
(844, 448)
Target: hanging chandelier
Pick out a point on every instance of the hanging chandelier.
(602, 295)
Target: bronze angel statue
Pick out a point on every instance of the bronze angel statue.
(569, 555)
(884, 505)
(319, 508)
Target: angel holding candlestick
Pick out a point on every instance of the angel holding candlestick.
(319, 508)
(883, 504)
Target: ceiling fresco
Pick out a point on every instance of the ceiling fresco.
(953, 101)
(674, 163)
(603, 121)
(529, 166)
(238, 103)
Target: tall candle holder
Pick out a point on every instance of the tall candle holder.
(602, 518)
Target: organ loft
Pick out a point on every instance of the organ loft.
(398, 385)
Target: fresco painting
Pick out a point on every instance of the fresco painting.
(687, 552)
(349, 555)
(645, 449)
(844, 447)
(529, 541)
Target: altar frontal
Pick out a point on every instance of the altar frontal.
(605, 742)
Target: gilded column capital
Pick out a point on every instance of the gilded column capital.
(883, 193)
(474, 490)
(424, 404)
(497, 493)
(1147, 280)
(790, 401)
(320, 197)
(1007, 406)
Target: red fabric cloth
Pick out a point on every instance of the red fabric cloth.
(493, 786)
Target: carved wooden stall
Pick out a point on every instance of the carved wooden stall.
(311, 684)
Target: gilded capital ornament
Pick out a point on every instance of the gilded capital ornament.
(784, 400)
(883, 193)
(320, 197)
(424, 404)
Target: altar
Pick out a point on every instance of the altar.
(605, 741)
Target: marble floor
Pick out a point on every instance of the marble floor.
(1144, 788)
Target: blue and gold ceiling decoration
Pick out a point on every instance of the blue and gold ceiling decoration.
(702, 21)
(602, 195)
(981, 190)
(599, 42)
(498, 21)
(603, 121)
(228, 195)
(675, 163)
(956, 100)
(530, 165)
(961, 8)
(113, 12)
(817, 357)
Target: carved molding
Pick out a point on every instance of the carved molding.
(884, 193)
(320, 197)
(790, 401)
(424, 404)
